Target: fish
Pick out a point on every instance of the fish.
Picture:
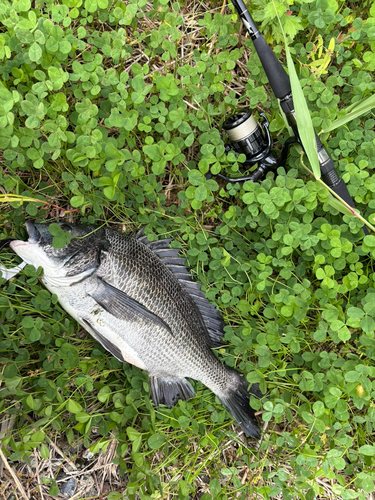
(139, 301)
(8, 273)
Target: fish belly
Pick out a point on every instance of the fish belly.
(141, 342)
(99, 323)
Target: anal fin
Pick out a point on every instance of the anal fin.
(169, 390)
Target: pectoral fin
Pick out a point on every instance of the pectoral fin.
(122, 306)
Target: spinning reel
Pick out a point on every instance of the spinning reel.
(254, 141)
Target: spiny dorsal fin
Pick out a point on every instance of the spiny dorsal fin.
(169, 256)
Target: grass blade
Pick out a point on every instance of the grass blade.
(304, 123)
(340, 207)
(358, 109)
(339, 204)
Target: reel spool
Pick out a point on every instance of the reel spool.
(246, 135)
(254, 141)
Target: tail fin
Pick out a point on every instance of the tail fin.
(237, 403)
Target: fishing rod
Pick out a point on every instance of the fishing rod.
(254, 141)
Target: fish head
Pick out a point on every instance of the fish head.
(63, 266)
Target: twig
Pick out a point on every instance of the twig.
(10, 198)
(38, 476)
(60, 452)
(188, 103)
(14, 475)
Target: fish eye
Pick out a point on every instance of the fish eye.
(66, 227)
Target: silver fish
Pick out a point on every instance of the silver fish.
(138, 300)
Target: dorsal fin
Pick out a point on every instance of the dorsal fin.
(169, 256)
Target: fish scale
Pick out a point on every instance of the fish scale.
(138, 300)
(168, 301)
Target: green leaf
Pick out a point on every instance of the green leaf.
(65, 47)
(335, 203)
(91, 5)
(353, 111)
(73, 406)
(6, 98)
(55, 229)
(82, 417)
(131, 120)
(352, 376)
(44, 451)
(102, 444)
(10, 371)
(304, 123)
(368, 324)
(215, 486)
(189, 140)
(36, 439)
(355, 313)
(318, 408)
(368, 450)
(35, 52)
(156, 441)
(114, 495)
(195, 177)
(132, 433)
(24, 5)
(58, 242)
(77, 201)
(153, 152)
(287, 311)
(320, 274)
(104, 394)
(39, 37)
(54, 489)
(30, 402)
(344, 334)
(184, 422)
(104, 181)
(110, 192)
(34, 335)
(28, 322)
(201, 193)
(135, 437)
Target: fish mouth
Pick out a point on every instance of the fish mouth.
(32, 231)
(34, 237)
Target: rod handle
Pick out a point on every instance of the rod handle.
(278, 78)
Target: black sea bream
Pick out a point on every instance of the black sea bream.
(138, 300)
